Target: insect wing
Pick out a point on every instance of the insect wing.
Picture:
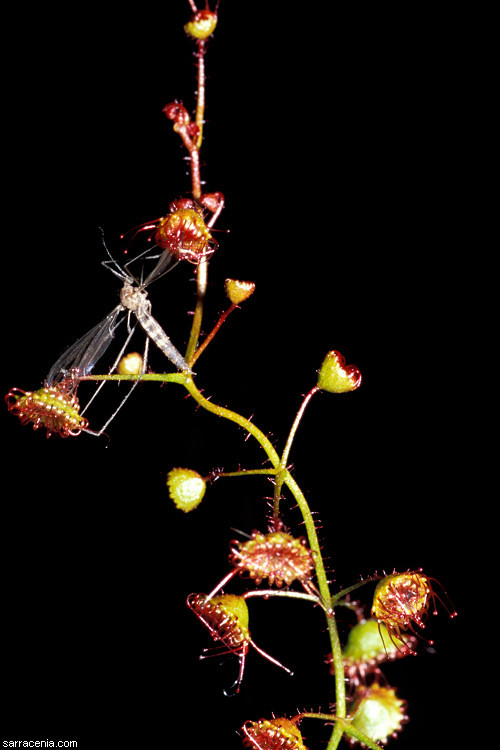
(81, 356)
(166, 263)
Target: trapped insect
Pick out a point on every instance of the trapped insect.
(79, 359)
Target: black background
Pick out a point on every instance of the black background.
(333, 135)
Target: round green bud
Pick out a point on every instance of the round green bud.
(186, 488)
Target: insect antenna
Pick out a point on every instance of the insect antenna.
(117, 270)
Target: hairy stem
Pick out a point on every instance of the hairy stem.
(289, 481)
(344, 723)
(283, 593)
(313, 544)
(200, 98)
(233, 416)
(286, 452)
(245, 473)
(201, 288)
(211, 335)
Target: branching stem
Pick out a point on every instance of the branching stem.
(211, 335)
(346, 727)
(289, 481)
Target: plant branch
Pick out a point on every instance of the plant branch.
(192, 359)
(283, 593)
(303, 505)
(346, 727)
(286, 452)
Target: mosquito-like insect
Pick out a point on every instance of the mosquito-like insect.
(80, 358)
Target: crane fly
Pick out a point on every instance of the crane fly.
(78, 360)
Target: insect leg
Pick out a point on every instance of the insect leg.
(125, 398)
(113, 368)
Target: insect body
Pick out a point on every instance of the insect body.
(79, 359)
(135, 299)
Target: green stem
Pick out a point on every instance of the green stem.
(346, 727)
(313, 544)
(246, 473)
(233, 416)
(201, 288)
(283, 593)
(157, 377)
(297, 493)
(327, 601)
(340, 595)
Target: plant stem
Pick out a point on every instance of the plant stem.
(194, 153)
(280, 476)
(302, 503)
(340, 595)
(201, 288)
(327, 600)
(200, 99)
(233, 416)
(157, 377)
(246, 473)
(211, 335)
(345, 724)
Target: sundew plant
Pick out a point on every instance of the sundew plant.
(280, 600)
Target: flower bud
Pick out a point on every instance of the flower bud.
(378, 713)
(202, 24)
(186, 488)
(177, 112)
(337, 377)
(238, 291)
(130, 364)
